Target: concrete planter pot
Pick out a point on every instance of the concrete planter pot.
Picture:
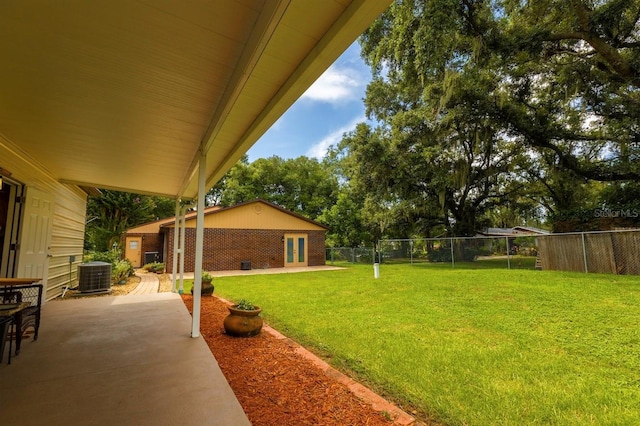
(206, 290)
(242, 323)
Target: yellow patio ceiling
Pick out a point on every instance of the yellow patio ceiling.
(122, 94)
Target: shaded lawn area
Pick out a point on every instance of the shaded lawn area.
(478, 347)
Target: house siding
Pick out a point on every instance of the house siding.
(224, 249)
(254, 215)
(68, 221)
(67, 238)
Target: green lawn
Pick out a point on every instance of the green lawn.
(469, 346)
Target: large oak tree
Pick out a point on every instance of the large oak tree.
(479, 103)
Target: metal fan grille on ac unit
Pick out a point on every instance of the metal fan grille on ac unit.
(94, 277)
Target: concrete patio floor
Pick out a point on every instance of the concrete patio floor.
(125, 360)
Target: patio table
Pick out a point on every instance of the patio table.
(18, 281)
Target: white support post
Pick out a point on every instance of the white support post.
(174, 288)
(197, 272)
(183, 225)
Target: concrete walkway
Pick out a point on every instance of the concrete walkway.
(149, 284)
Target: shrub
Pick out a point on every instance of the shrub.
(440, 254)
(470, 254)
(111, 256)
(157, 267)
(121, 270)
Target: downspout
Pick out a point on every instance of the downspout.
(197, 272)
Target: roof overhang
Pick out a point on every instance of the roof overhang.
(126, 94)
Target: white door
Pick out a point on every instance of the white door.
(35, 236)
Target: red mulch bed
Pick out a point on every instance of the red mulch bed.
(275, 385)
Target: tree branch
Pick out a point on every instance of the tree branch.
(611, 55)
(536, 135)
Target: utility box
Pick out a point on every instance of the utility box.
(151, 256)
(245, 265)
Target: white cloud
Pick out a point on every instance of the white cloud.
(319, 149)
(336, 85)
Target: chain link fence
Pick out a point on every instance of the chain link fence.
(613, 252)
(350, 254)
(508, 252)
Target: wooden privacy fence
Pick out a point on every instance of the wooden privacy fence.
(609, 252)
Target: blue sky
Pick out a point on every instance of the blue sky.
(332, 106)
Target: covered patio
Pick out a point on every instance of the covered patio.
(88, 92)
(116, 361)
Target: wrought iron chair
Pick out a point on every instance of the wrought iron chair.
(29, 318)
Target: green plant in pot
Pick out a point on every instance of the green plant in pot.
(244, 319)
(158, 268)
(207, 286)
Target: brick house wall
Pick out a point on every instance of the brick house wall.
(317, 249)
(150, 243)
(225, 249)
